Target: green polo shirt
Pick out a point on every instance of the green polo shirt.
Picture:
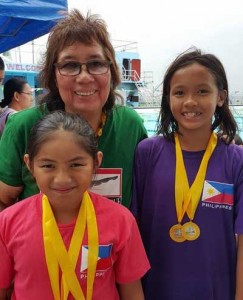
(122, 132)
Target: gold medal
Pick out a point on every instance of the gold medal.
(176, 233)
(187, 198)
(190, 231)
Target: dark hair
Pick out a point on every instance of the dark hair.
(76, 28)
(223, 118)
(43, 131)
(238, 139)
(10, 87)
(2, 66)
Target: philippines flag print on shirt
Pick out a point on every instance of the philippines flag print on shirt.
(218, 193)
(104, 258)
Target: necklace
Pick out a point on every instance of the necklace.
(101, 125)
(60, 260)
(187, 198)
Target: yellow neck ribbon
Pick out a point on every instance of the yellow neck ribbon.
(186, 198)
(57, 257)
(102, 124)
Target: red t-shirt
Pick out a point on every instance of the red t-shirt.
(122, 258)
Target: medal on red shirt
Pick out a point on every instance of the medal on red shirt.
(187, 199)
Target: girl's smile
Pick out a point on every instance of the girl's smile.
(84, 93)
(63, 170)
(194, 97)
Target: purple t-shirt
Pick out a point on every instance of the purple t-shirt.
(203, 269)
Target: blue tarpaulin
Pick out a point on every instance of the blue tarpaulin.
(22, 21)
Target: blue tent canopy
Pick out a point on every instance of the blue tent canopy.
(24, 20)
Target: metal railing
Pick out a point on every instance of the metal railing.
(148, 96)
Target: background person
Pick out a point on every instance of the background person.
(97, 236)
(17, 96)
(81, 75)
(2, 70)
(188, 188)
(2, 74)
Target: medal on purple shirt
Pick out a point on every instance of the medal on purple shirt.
(190, 231)
(176, 233)
(187, 198)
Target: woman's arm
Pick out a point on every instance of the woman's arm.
(239, 271)
(131, 291)
(8, 195)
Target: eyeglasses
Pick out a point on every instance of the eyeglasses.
(27, 93)
(93, 67)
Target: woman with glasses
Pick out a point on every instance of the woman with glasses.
(17, 96)
(81, 75)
